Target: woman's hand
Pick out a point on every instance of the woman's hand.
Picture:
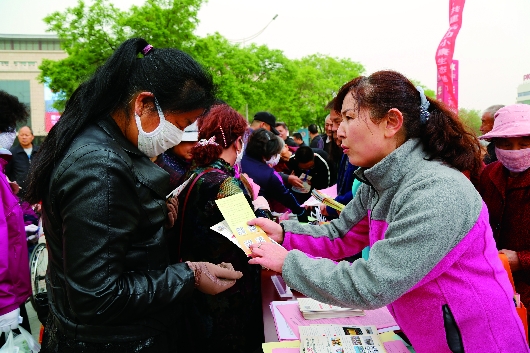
(214, 279)
(268, 255)
(513, 259)
(323, 210)
(293, 180)
(261, 202)
(172, 210)
(273, 229)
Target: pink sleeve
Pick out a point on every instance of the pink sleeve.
(349, 244)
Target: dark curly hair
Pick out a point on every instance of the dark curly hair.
(443, 135)
(223, 122)
(263, 144)
(12, 112)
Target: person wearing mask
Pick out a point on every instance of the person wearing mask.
(177, 160)
(261, 155)
(281, 127)
(433, 260)
(315, 140)
(15, 286)
(487, 120)
(17, 169)
(505, 188)
(110, 285)
(231, 321)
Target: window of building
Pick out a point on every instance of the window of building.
(4, 63)
(25, 64)
(5, 44)
(522, 94)
(50, 45)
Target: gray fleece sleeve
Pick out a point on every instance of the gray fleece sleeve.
(427, 217)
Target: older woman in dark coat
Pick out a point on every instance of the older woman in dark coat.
(505, 187)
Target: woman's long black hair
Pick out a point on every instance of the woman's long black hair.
(177, 81)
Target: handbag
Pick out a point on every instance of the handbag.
(521, 310)
(186, 202)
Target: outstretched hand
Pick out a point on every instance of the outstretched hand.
(513, 259)
(295, 181)
(268, 255)
(213, 279)
(273, 229)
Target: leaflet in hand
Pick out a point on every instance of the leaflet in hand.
(313, 309)
(336, 338)
(237, 212)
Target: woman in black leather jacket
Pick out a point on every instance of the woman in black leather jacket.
(110, 285)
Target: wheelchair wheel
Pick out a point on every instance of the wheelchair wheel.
(38, 265)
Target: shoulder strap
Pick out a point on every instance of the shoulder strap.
(207, 170)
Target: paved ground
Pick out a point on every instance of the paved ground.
(33, 321)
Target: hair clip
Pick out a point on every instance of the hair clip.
(204, 142)
(147, 49)
(223, 133)
(424, 106)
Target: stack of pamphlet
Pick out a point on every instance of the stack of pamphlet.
(337, 338)
(313, 309)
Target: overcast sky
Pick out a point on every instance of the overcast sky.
(493, 46)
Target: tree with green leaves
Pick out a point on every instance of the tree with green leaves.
(250, 78)
(90, 34)
(470, 118)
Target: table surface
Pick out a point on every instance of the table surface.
(269, 294)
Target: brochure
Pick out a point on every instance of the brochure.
(237, 212)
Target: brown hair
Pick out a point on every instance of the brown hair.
(443, 135)
(226, 125)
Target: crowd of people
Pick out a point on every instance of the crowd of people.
(133, 267)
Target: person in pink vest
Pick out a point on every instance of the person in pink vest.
(15, 285)
(433, 260)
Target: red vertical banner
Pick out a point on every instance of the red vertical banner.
(441, 90)
(444, 56)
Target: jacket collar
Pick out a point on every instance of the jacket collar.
(391, 169)
(113, 130)
(142, 166)
(499, 175)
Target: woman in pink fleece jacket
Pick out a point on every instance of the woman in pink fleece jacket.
(433, 260)
(15, 285)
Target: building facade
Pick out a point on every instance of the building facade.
(523, 90)
(20, 58)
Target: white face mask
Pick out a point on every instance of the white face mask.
(239, 155)
(164, 137)
(274, 160)
(7, 139)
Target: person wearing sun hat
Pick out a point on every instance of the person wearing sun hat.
(505, 188)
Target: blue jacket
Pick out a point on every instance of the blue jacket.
(345, 178)
(271, 185)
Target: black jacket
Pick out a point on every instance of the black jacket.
(18, 167)
(109, 278)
